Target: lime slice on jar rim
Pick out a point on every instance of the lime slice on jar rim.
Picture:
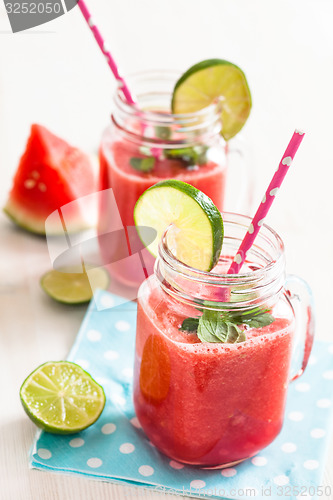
(196, 226)
(209, 81)
(74, 287)
(62, 398)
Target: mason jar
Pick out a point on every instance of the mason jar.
(146, 143)
(214, 403)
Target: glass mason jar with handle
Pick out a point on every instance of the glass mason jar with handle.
(214, 404)
(145, 144)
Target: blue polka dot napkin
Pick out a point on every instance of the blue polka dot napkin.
(115, 449)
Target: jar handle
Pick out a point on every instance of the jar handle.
(240, 178)
(300, 296)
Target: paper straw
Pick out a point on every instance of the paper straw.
(102, 45)
(266, 202)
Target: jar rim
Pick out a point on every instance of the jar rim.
(162, 118)
(212, 277)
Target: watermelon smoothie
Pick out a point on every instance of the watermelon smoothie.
(141, 148)
(128, 184)
(213, 404)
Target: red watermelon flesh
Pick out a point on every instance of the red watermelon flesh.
(51, 174)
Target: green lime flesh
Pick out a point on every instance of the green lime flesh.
(74, 287)
(196, 227)
(209, 81)
(62, 398)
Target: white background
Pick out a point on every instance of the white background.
(55, 75)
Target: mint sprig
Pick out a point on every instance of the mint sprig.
(213, 326)
(142, 164)
(190, 324)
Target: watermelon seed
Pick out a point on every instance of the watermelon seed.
(35, 174)
(29, 183)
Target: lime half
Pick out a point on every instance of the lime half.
(74, 287)
(213, 79)
(196, 235)
(62, 398)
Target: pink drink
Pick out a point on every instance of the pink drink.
(214, 404)
(207, 403)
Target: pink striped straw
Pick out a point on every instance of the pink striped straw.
(102, 45)
(267, 201)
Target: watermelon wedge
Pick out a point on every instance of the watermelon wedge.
(51, 174)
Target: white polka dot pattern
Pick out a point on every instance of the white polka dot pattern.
(135, 422)
(44, 453)
(76, 442)
(111, 355)
(259, 461)
(311, 464)
(94, 335)
(230, 472)
(176, 465)
(94, 462)
(108, 428)
(281, 480)
(296, 416)
(197, 484)
(127, 448)
(146, 470)
(122, 326)
(289, 447)
(324, 403)
(127, 373)
(106, 301)
(318, 433)
(302, 387)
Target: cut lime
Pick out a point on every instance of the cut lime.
(60, 397)
(74, 287)
(197, 232)
(207, 81)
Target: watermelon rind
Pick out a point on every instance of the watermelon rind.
(24, 219)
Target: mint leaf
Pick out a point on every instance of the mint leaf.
(214, 326)
(211, 328)
(233, 333)
(255, 318)
(260, 320)
(163, 133)
(189, 156)
(190, 324)
(142, 164)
